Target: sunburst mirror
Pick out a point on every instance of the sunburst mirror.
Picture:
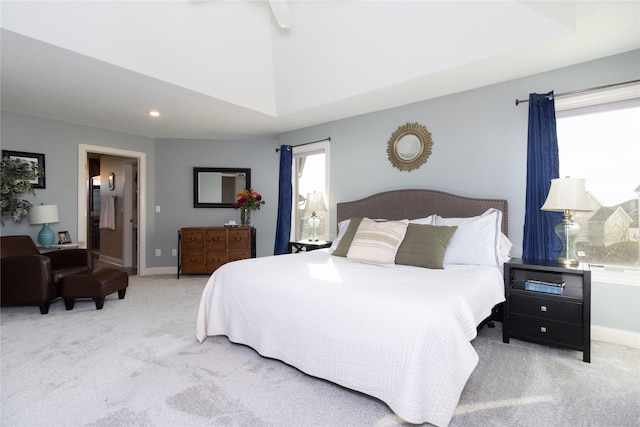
(409, 146)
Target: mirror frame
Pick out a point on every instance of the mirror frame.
(198, 170)
(426, 145)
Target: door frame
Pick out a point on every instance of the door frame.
(83, 192)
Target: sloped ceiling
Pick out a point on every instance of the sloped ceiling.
(226, 70)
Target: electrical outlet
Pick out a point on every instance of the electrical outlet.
(157, 209)
(174, 252)
(158, 252)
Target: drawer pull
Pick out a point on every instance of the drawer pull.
(543, 329)
(543, 308)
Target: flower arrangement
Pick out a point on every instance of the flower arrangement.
(249, 200)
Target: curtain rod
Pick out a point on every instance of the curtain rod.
(307, 143)
(591, 89)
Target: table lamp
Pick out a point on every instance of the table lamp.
(315, 204)
(566, 195)
(44, 214)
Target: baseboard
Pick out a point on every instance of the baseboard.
(616, 336)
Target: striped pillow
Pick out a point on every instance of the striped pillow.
(377, 242)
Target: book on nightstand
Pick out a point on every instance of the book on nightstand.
(545, 287)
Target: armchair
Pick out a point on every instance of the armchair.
(30, 278)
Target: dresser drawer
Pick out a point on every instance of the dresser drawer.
(240, 239)
(547, 308)
(192, 239)
(193, 262)
(216, 240)
(215, 260)
(545, 329)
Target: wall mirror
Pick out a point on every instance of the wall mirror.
(217, 187)
(409, 146)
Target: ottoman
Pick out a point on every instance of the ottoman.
(97, 285)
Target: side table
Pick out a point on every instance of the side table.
(307, 245)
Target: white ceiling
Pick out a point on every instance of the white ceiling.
(226, 70)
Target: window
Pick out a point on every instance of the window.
(310, 183)
(598, 141)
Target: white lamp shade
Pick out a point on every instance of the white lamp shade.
(44, 214)
(315, 203)
(567, 194)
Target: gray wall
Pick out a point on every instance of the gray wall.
(59, 142)
(175, 160)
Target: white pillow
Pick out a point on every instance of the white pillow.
(342, 228)
(476, 241)
(505, 248)
(377, 242)
(429, 220)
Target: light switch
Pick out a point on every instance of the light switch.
(157, 209)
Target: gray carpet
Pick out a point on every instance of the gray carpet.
(137, 363)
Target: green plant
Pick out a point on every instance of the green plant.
(15, 179)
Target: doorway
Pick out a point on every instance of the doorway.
(110, 178)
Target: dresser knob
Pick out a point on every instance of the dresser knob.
(543, 329)
(543, 308)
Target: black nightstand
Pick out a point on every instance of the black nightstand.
(563, 320)
(307, 245)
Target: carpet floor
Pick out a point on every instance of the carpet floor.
(137, 363)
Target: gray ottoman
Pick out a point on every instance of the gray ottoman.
(96, 285)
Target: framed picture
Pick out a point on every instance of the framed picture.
(64, 237)
(29, 157)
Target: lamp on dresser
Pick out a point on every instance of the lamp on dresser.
(566, 195)
(45, 215)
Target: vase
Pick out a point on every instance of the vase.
(245, 217)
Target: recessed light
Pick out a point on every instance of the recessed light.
(154, 113)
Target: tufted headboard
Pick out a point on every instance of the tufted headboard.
(419, 203)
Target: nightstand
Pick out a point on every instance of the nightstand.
(307, 245)
(563, 320)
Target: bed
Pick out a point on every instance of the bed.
(400, 333)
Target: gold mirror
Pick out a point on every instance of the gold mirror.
(409, 146)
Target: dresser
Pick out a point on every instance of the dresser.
(556, 319)
(202, 250)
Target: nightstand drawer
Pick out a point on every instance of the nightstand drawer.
(547, 308)
(547, 330)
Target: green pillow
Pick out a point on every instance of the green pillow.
(424, 245)
(347, 238)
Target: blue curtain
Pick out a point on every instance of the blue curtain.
(540, 241)
(283, 226)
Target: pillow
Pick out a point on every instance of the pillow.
(424, 245)
(377, 242)
(429, 220)
(345, 237)
(505, 248)
(342, 228)
(476, 241)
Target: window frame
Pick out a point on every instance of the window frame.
(565, 104)
(303, 150)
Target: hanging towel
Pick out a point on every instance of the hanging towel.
(108, 212)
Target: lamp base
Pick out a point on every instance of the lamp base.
(567, 231)
(567, 262)
(46, 236)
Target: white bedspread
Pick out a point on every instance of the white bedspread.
(400, 334)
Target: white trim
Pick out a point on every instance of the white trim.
(615, 336)
(603, 96)
(83, 190)
(615, 277)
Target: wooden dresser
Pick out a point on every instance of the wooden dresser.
(202, 250)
